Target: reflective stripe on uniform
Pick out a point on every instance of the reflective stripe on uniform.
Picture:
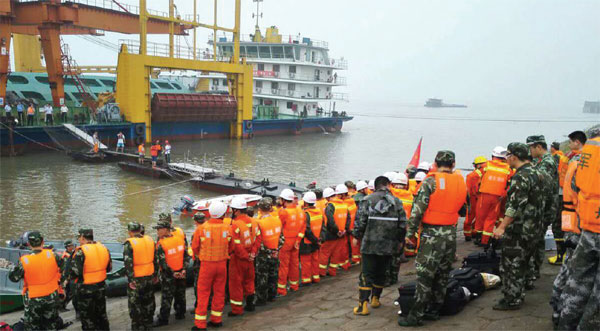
(281, 286)
(364, 288)
(322, 266)
(355, 256)
(306, 280)
(316, 277)
(381, 218)
(216, 313)
(487, 233)
(233, 302)
(237, 241)
(293, 283)
(331, 265)
(301, 235)
(201, 317)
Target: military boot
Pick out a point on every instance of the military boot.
(375, 295)
(363, 300)
(250, 303)
(160, 322)
(408, 321)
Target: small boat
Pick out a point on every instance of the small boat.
(438, 103)
(157, 172)
(193, 170)
(231, 185)
(189, 207)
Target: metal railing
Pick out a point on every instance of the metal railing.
(336, 80)
(111, 5)
(301, 95)
(285, 39)
(341, 63)
(179, 51)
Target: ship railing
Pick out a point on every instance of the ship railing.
(179, 51)
(111, 5)
(285, 39)
(335, 80)
(303, 95)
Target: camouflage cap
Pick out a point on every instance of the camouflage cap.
(556, 145)
(519, 150)
(445, 156)
(134, 227)
(199, 217)
(350, 184)
(265, 203)
(35, 238)
(536, 139)
(68, 243)
(165, 217)
(162, 224)
(593, 133)
(86, 232)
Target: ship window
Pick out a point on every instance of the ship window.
(215, 82)
(297, 53)
(292, 86)
(277, 52)
(259, 84)
(177, 86)
(289, 52)
(289, 105)
(227, 50)
(164, 85)
(152, 85)
(90, 82)
(292, 69)
(108, 82)
(252, 51)
(69, 81)
(275, 85)
(265, 51)
(42, 79)
(33, 95)
(224, 82)
(261, 66)
(79, 96)
(243, 51)
(276, 67)
(15, 79)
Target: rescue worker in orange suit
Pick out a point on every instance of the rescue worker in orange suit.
(246, 242)
(399, 189)
(337, 226)
(141, 153)
(211, 244)
(89, 267)
(40, 272)
(352, 242)
(199, 219)
(267, 259)
(361, 193)
(492, 191)
(173, 259)
(139, 258)
(330, 236)
(562, 162)
(321, 201)
(292, 222)
(155, 152)
(309, 248)
(472, 180)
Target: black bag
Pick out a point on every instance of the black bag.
(469, 278)
(456, 299)
(406, 298)
(487, 262)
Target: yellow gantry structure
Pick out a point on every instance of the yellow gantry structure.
(134, 70)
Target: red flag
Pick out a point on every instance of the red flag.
(417, 155)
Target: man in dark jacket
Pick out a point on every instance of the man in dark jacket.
(381, 227)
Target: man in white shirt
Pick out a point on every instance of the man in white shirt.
(7, 109)
(48, 110)
(120, 142)
(167, 152)
(63, 113)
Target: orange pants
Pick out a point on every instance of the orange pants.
(289, 267)
(241, 282)
(310, 267)
(325, 255)
(469, 221)
(488, 210)
(340, 254)
(212, 276)
(354, 249)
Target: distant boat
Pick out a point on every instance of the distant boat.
(438, 103)
(592, 107)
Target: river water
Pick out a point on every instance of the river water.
(57, 196)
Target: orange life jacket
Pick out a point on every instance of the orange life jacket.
(316, 222)
(214, 241)
(95, 263)
(41, 274)
(174, 248)
(141, 149)
(587, 180)
(30, 110)
(563, 165)
(154, 150)
(352, 210)
(292, 221)
(472, 181)
(412, 186)
(270, 230)
(406, 197)
(447, 199)
(570, 222)
(177, 231)
(340, 215)
(495, 178)
(143, 256)
(321, 204)
(247, 228)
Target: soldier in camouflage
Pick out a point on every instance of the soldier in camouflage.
(91, 298)
(548, 170)
(438, 244)
(65, 272)
(140, 290)
(199, 219)
(40, 313)
(518, 228)
(267, 261)
(381, 226)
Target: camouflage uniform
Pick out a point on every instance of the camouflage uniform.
(267, 269)
(523, 204)
(141, 299)
(39, 313)
(381, 226)
(171, 288)
(91, 298)
(436, 254)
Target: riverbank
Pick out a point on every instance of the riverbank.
(328, 306)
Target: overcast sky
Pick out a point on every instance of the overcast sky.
(530, 53)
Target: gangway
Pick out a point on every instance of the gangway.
(81, 135)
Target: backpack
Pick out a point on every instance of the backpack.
(487, 262)
(469, 278)
(456, 299)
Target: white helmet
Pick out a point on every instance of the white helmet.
(424, 166)
(361, 185)
(328, 192)
(238, 203)
(287, 195)
(217, 209)
(420, 176)
(400, 179)
(371, 185)
(341, 189)
(310, 197)
(499, 151)
(390, 175)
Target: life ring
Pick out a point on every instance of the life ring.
(139, 129)
(139, 140)
(248, 125)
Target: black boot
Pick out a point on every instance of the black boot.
(363, 299)
(250, 303)
(375, 295)
(160, 322)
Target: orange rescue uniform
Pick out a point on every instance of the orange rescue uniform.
(587, 179)
(492, 191)
(292, 222)
(310, 261)
(354, 244)
(246, 242)
(472, 181)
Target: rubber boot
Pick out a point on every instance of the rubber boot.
(560, 252)
(363, 300)
(375, 295)
(250, 303)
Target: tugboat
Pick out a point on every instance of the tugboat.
(438, 103)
